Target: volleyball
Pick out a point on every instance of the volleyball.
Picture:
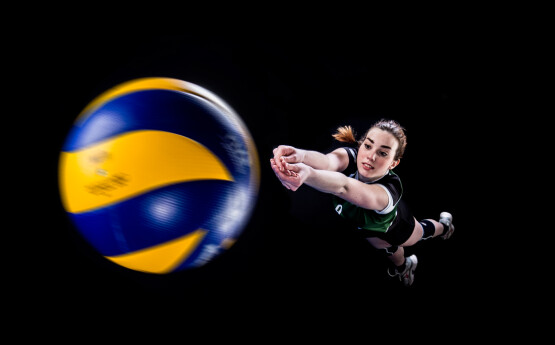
(159, 175)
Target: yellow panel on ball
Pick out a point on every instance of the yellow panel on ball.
(132, 163)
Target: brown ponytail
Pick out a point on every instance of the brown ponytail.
(345, 134)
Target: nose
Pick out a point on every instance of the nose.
(372, 156)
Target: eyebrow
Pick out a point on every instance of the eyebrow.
(384, 146)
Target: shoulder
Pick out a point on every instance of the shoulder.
(349, 159)
(392, 182)
(340, 159)
(352, 152)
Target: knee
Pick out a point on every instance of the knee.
(383, 246)
(390, 250)
(428, 229)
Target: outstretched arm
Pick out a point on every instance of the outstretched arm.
(336, 160)
(369, 196)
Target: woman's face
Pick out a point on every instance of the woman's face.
(375, 155)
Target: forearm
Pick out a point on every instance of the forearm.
(372, 197)
(369, 196)
(336, 160)
(315, 159)
(327, 181)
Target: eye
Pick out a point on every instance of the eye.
(383, 153)
(366, 146)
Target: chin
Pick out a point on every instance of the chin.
(369, 176)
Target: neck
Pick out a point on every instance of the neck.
(361, 178)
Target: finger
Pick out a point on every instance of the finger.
(286, 179)
(274, 167)
(282, 178)
(280, 174)
(280, 153)
(278, 159)
(273, 164)
(292, 182)
(290, 159)
(292, 167)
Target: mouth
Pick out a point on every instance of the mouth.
(367, 166)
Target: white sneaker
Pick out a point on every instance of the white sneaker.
(407, 276)
(446, 219)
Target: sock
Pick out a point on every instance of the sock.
(401, 268)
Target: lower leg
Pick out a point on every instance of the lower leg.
(403, 267)
(398, 258)
(444, 227)
(395, 254)
(431, 228)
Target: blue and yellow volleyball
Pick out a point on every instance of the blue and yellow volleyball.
(159, 175)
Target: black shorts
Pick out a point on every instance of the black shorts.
(400, 230)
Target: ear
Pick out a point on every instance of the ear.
(394, 163)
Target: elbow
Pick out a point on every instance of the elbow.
(342, 187)
(341, 191)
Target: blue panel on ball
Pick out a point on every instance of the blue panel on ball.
(154, 217)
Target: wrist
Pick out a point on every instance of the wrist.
(309, 173)
(301, 154)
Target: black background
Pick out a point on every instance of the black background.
(293, 257)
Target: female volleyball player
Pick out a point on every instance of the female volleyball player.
(366, 190)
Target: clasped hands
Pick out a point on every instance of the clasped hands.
(288, 167)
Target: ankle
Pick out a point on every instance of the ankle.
(401, 267)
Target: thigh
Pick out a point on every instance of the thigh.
(378, 243)
(415, 236)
